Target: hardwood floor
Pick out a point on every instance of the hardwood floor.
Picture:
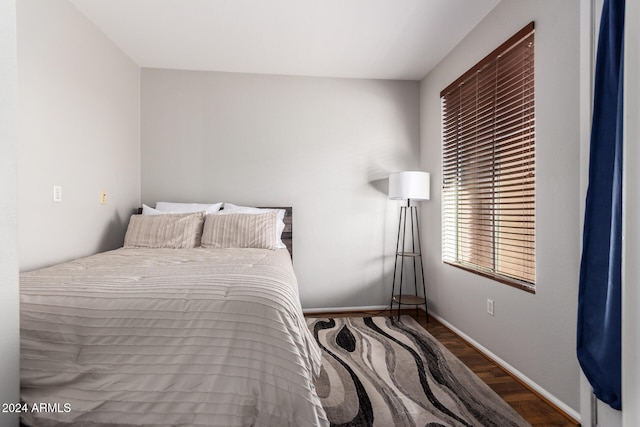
(534, 409)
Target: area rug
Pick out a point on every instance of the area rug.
(381, 372)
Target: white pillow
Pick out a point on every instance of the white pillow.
(234, 209)
(170, 207)
(148, 210)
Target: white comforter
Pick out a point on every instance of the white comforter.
(168, 337)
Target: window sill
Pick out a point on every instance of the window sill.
(527, 287)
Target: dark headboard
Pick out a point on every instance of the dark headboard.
(287, 234)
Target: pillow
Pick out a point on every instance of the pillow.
(170, 207)
(230, 208)
(177, 231)
(147, 210)
(240, 231)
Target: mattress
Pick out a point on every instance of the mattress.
(168, 337)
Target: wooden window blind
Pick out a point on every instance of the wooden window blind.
(488, 158)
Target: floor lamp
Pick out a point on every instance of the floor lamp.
(409, 185)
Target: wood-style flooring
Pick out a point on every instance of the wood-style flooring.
(527, 403)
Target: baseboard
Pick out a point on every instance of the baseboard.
(544, 394)
(344, 309)
(526, 381)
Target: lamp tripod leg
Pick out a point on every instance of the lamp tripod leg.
(395, 266)
(403, 219)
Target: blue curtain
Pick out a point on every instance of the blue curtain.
(599, 295)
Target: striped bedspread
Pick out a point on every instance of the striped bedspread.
(168, 337)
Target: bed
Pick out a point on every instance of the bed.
(159, 336)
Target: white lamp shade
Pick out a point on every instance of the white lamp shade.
(412, 185)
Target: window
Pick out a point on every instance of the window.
(488, 165)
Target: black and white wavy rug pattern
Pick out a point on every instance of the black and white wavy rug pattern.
(380, 372)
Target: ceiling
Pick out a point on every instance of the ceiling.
(379, 39)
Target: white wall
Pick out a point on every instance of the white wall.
(9, 317)
(535, 334)
(631, 248)
(79, 127)
(324, 146)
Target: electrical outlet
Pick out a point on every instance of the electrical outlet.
(57, 193)
(490, 306)
(103, 198)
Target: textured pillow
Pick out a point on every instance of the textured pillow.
(171, 207)
(240, 231)
(231, 208)
(177, 231)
